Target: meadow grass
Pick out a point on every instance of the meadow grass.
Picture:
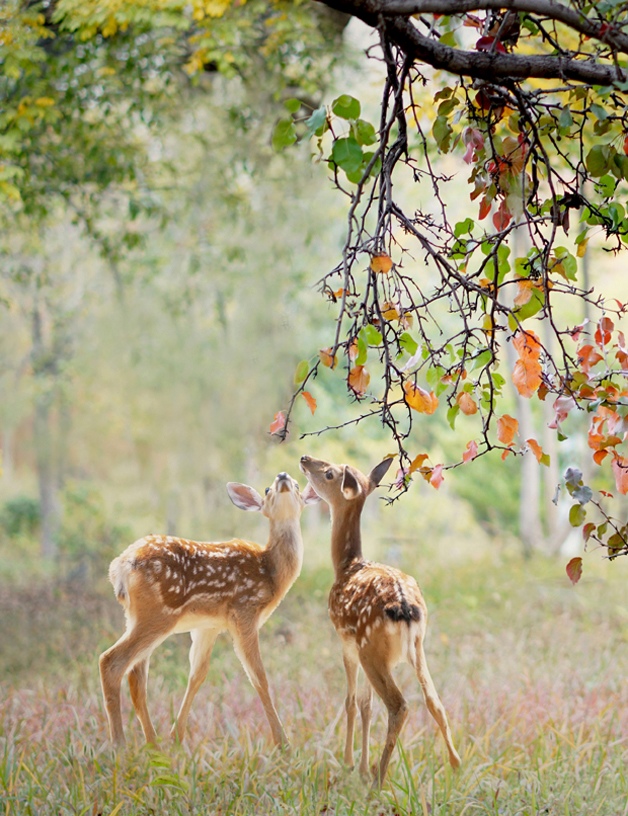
(531, 670)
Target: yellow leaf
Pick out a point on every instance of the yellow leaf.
(417, 462)
(389, 312)
(582, 248)
(419, 399)
(327, 359)
(359, 379)
(381, 263)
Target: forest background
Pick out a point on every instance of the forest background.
(160, 258)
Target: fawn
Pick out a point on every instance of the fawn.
(168, 585)
(378, 612)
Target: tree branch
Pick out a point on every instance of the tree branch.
(488, 66)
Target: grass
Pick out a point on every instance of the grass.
(531, 672)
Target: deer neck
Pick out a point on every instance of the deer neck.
(284, 552)
(346, 537)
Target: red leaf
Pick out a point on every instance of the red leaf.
(502, 217)
(471, 451)
(588, 528)
(485, 208)
(574, 570)
(437, 478)
(603, 332)
(278, 425)
(489, 44)
(310, 400)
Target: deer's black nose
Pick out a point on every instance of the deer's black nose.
(283, 476)
(305, 459)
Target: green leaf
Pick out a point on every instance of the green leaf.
(452, 413)
(363, 350)
(408, 343)
(598, 160)
(346, 107)
(464, 226)
(565, 120)
(347, 154)
(482, 359)
(303, 369)
(371, 334)
(292, 105)
(284, 134)
(317, 123)
(441, 131)
(364, 132)
(577, 515)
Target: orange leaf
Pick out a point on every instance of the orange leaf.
(525, 288)
(588, 357)
(467, 403)
(506, 454)
(419, 399)
(359, 379)
(327, 358)
(527, 344)
(417, 462)
(526, 376)
(278, 425)
(437, 478)
(381, 263)
(574, 570)
(507, 427)
(311, 401)
(620, 471)
(536, 449)
(599, 456)
(471, 451)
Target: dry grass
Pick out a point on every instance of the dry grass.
(531, 671)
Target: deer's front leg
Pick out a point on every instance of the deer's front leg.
(246, 644)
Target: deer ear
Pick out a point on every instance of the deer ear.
(379, 471)
(244, 497)
(350, 487)
(309, 495)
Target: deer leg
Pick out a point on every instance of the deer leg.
(433, 702)
(385, 686)
(351, 669)
(138, 686)
(246, 645)
(366, 705)
(200, 652)
(136, 644)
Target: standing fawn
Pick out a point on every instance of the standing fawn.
(378, 612)
(168, 585)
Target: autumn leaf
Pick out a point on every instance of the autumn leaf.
(527, 344)
(620, 471)
(419, 399)
(278, 425)
(311, 401)
(436, 477)
(537, 450)
(389, 311)
(467, 404)
(604, 330)
(574, 570)
(485, 208)
(381, 264)
(588, 357)
(507, 427)
(502, 217)
(525, 289)
(327, 358)
(526, 376)
(471, 451)
(417, 462)
(359, 379)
